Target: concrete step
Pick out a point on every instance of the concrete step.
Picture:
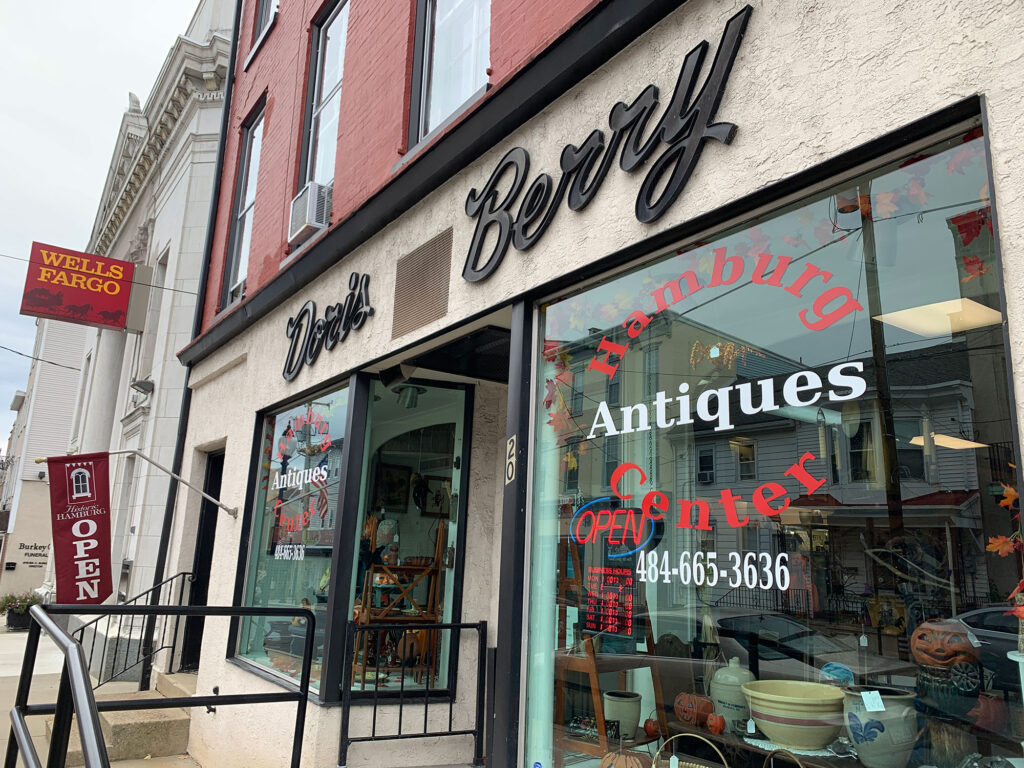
(173, 761)
(176, 685)
(134, 735)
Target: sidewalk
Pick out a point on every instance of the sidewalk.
(44, 690)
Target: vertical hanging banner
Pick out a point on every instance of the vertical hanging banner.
(80, 516)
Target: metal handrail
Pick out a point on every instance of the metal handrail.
(477, 732)
(75, 697)
(145, 652)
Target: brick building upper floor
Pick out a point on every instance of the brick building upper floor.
(336, 103)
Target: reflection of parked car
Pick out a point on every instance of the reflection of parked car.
(776, 646)
(997, 634)
(693, 642)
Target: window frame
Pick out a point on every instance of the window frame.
(419, 84)
(233, 278)
(314, 75)
(705, 451)
(264, 20)
(737, 444)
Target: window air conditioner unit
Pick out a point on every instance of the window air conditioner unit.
(706, 478)
(311, 210)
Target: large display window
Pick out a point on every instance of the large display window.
(774, 490)
(293, 531)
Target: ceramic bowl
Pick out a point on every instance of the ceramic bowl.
(796, 714)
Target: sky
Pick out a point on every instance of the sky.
(66, 68)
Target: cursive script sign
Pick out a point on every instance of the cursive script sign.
(685, 125)
(309, 336)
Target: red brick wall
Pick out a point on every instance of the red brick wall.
(374, 110)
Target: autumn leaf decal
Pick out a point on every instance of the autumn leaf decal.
(974, 266)
(1009, 496)
(549, 393)
(1001, 545)
(885, 204)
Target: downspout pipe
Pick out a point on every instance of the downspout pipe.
(197, 322)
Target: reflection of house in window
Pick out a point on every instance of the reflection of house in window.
(706, 465)
(611, 457)
(80, 484)
(746, 458)
(576, 391)
(572, 466)
(909, 457)
(862, 453)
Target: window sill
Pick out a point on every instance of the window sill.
(259, 41)
(230, 306)
(414, 151)
(274, 677)
(301, 248)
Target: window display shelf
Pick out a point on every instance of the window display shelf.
(735, 746)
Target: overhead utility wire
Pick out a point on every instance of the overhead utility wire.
(116, 280)
(41, 360)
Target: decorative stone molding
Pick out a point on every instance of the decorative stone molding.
(192, 68)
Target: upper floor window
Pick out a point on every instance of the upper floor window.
(266, 11)
(325, 100)
(910, 449)
(746, 459)
(241, 235)
(453, 53)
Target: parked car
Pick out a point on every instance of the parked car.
(997, 634)
(693, 642)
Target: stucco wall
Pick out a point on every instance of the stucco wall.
(812, 80)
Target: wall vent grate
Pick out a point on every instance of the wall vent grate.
(422, 278)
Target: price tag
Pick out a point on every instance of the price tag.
(872, 701)
(751, 728)
(973, 639)
(673, 762)
(863, 641)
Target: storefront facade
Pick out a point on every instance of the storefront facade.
(711, 358)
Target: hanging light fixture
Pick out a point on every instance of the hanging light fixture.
(409, 395)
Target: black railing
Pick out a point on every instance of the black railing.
(426, 698)
(75, 698)
(126, 656)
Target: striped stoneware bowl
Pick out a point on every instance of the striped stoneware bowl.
(796, 714)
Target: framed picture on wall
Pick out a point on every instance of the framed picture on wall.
(439, 497)
(392, 488)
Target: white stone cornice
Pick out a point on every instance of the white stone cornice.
(186, 76)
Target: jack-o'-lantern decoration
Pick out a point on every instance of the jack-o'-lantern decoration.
(624, 759)
(990, 713)
(942, 643)
(716, 723)
(693, 709)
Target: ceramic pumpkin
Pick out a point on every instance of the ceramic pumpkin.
(693, 709)
(716, 723)
(942, 643)
(624, 759)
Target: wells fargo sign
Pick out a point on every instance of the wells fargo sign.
(77, 287)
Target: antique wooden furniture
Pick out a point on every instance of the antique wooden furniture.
(388, 597)
(588, 660)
